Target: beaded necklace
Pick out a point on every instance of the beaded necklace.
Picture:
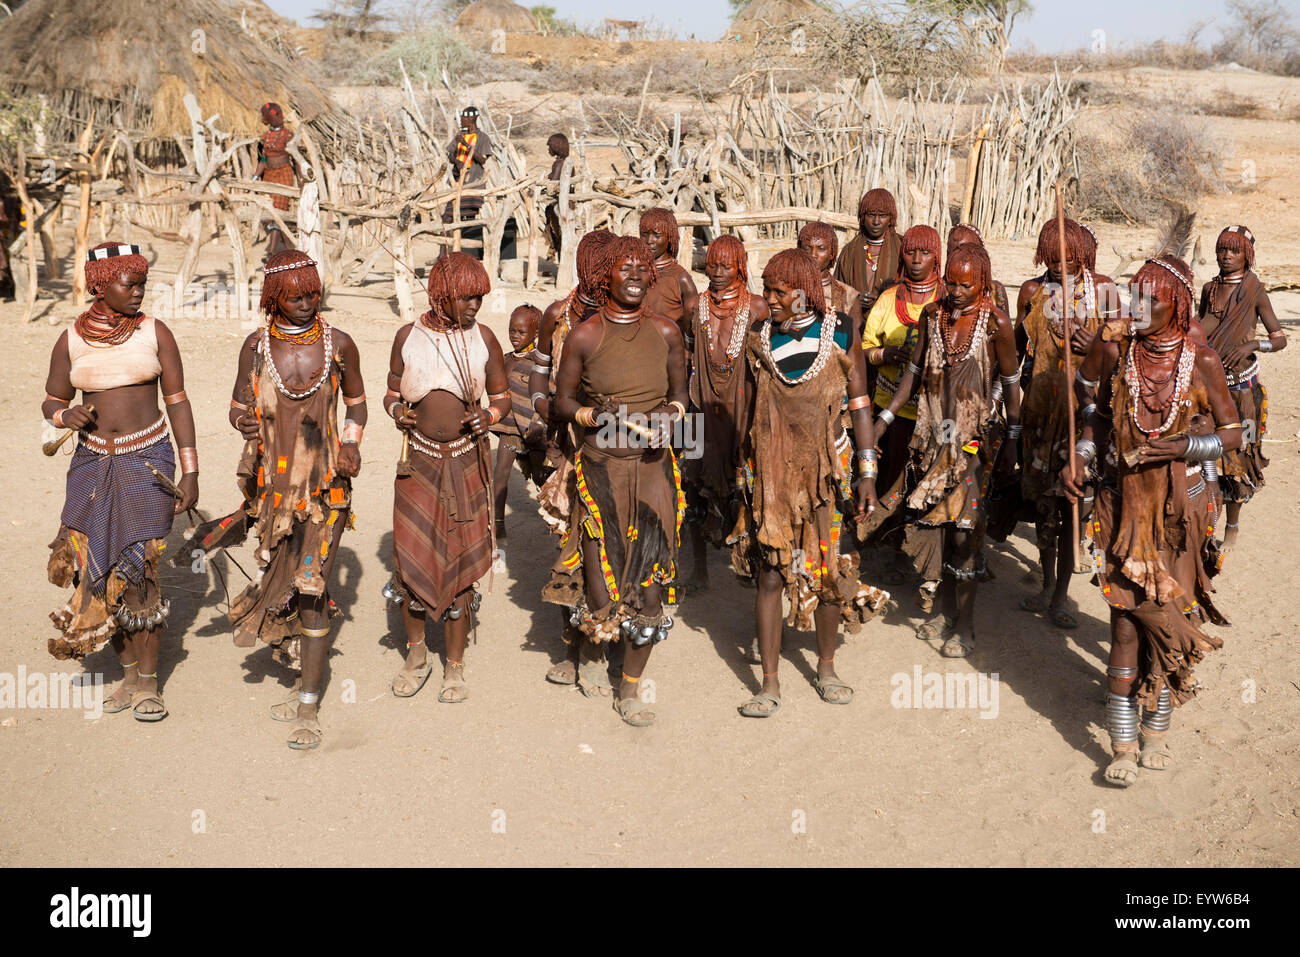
(824, 346)
(739, 327)
(950, 346)
(304, 335)
(1132, 377)
(90, 325)
(1085, 290)
(275, 373)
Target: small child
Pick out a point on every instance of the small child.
(521, 436)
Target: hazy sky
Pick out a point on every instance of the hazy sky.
(1054, 24)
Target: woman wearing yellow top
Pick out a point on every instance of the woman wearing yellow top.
(888, 340)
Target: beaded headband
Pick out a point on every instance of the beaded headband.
(1091, 231)
(110, 251)
(1243, 231)
(302, 264)
(971, 228)
(469, 111)
(1180, 277)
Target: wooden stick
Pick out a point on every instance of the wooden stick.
(49, 448)
(83, 217)
(1067, 307)
(20, 183)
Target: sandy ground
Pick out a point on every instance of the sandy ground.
(530, 773)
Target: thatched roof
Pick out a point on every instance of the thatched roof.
(483, 16)
(132, 61)
(759, 15)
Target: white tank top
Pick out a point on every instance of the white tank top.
(96, 367)
(428, 362)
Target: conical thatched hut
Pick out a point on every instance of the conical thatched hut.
(484, 16)
(131, 62)
(758, 16)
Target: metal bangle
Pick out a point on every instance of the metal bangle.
(886, 416)
(1086, 449)
(308, 697)
(867, 455)
(913, 368)
(534, 397)
(1010, 380)
(1210, 471)
(1015, 431)
(1203, 448)
(1086, 383)
(1265, 345)
(1088, 410)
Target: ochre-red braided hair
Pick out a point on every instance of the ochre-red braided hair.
(619, 249)
(1049, 243)
(285, 284)
(977, 257)
(665, 222)
(729, 251)
(878, 201)
(823, 231)
(455, 275)
(924, 238)
(1158, 282)
(1236, 242)
(796, 268)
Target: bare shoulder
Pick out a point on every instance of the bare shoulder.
(342, 338)
(489, 337)
(1029, 287)
(667, 328)
(250, 341)
(1002, 323)
(403, 334)
(758, 310)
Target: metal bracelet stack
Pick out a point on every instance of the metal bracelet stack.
(1121, 718)
(1203, 448)
(641, 635)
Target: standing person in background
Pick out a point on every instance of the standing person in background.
(723, 315)
(820, 242)
(671, 286)
(117, 511)
(1046, 445)
(965, 342)
(521, 435)
(468, 154)
(888, 339)
(557, 145)
(869, 261)
(275, 165)
(1231, 305)
(584, 662)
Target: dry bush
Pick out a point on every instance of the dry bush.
(680, 74)
(1163, 54)
(1224, 102)
(1133, 171)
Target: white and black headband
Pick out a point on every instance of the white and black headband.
(1242, 230)
(108, 252)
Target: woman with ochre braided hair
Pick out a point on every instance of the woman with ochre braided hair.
(794, 469)
(118, 508)
(295, 474)
(1231, 303)
(622, 368)
(819, 241)
(888, 338)
(723, 314)
(1046, 444)
(584, 661)
(964, 233)
(869, 261)
(1163, 410)
(275, 165)
(671, 286)
(964, 342)
(441, 366)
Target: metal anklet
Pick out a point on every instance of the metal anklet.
(1158, 721)
(1121, 718)
(308, 697)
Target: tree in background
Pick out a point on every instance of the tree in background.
(1261, 32)
(989, 21)
(353, 18)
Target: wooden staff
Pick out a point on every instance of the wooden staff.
(1067, 306)
(49, 448)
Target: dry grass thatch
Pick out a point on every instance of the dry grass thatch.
(760, 15)
(130, 62)
(483, 16)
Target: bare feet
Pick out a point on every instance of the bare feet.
(306, 732)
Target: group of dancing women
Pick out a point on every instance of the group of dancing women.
(882, 396)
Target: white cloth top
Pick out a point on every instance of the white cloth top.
(97, 367)
(429, 364)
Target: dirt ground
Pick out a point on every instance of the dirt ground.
(530, 773)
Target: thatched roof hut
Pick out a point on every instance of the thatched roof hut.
(484, 16)
(758, 16)
(131, 62)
